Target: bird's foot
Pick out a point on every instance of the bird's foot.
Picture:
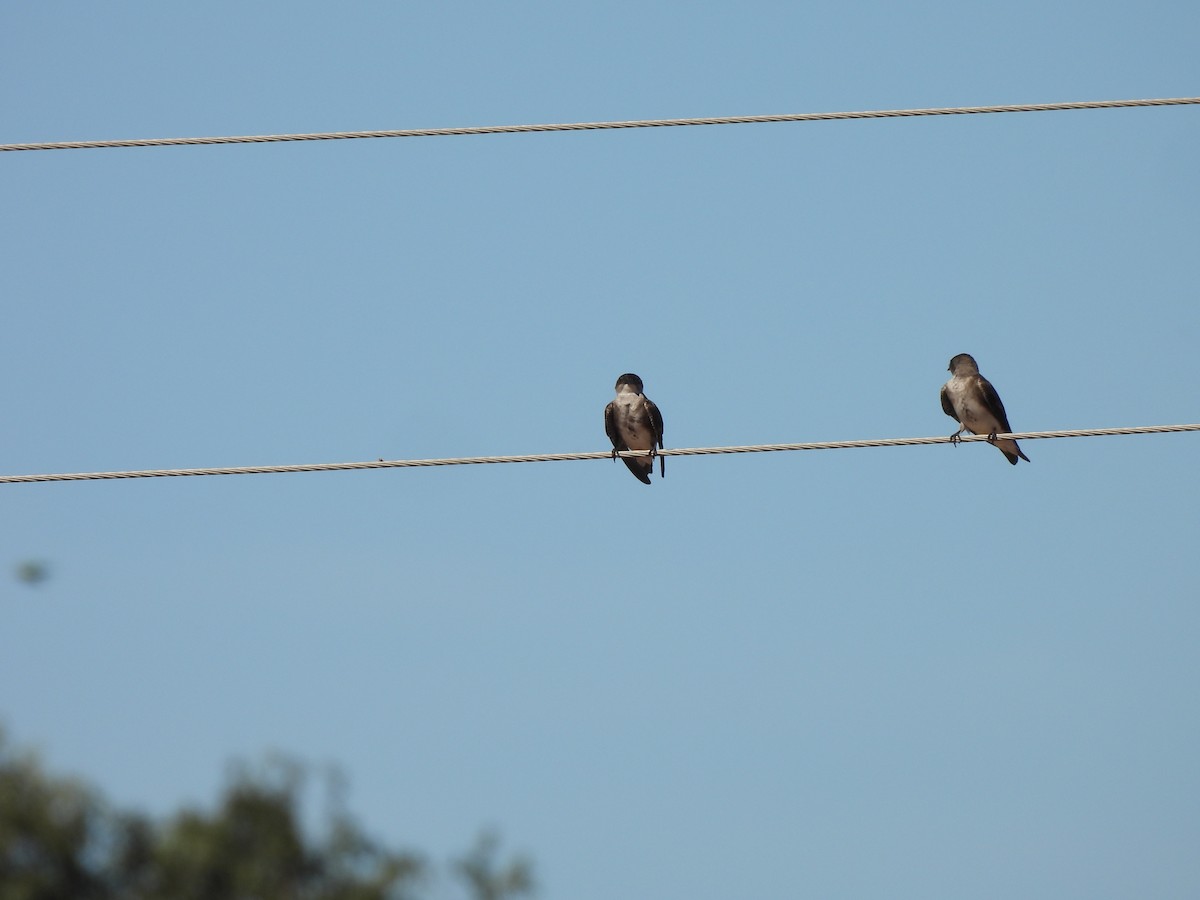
(992, 437)
(955, 438)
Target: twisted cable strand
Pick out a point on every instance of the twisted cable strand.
(598, 454)
(600, 126)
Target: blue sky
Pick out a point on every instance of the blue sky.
(915, 672)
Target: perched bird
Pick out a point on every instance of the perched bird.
(970, 399)
(633, 422)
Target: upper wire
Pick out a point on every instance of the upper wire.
(591, 454)
(600, 126)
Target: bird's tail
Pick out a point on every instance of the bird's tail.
(640, 466)
(1011, 451)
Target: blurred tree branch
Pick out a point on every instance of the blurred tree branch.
(59, 839)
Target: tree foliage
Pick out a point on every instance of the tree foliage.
(60, 839)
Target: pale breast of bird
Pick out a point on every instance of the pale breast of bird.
(977, 419)
(633, 420)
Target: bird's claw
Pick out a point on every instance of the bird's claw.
(992, 437)
(955, 439)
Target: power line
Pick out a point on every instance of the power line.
(598, 454)
(601, 126)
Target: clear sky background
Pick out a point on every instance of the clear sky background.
(914, 673)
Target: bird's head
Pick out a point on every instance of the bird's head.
(963, 364)
(630, 382)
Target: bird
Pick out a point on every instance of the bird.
(633, 422)
(970, 400)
